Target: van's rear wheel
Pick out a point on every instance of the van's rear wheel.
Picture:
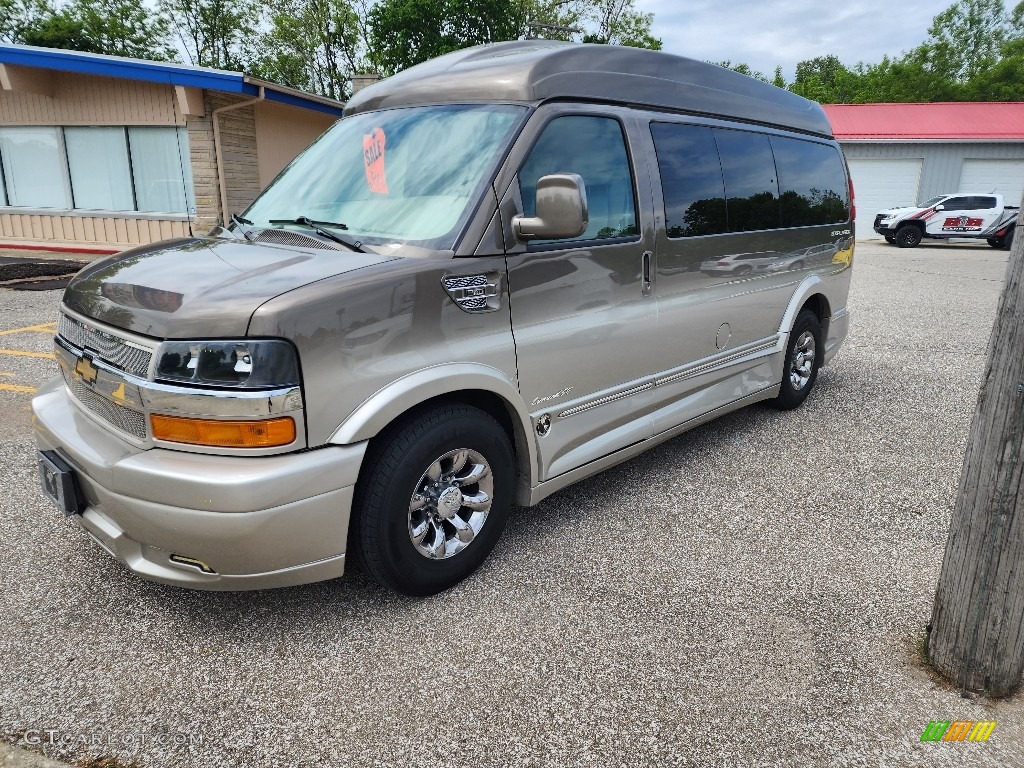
(908, 236)
(803, 358)
(434, 499)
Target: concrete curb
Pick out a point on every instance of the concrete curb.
(17, 757)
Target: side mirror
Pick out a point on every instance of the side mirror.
(561, 209)
(940, 207)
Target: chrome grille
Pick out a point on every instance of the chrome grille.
(473, 293)
(111, 349)
(125, 419)
(283, 237)
(465, 282)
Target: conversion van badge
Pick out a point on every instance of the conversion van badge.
(373, 159)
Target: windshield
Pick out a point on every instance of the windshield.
(404, 175)
(933, 201)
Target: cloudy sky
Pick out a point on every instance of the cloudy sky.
(766, 33)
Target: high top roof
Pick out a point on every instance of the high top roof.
(532, 71)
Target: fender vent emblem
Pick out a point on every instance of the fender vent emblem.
(473, 293)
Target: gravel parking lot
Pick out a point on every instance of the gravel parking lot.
(751, 593)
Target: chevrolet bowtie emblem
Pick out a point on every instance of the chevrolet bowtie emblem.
(86, 370)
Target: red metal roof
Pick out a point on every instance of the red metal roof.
(963, 121)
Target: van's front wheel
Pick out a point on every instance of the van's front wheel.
(434, 499)
(803, 358)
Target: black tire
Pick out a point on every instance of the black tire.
(995, 242)
(792, 394)
(890, 239)
(908, 236)
(395, 464)
(1008, 237)
(796, 265)
(743, 269)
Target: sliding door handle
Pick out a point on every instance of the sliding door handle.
(645, 273)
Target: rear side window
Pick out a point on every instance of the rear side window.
(691, 180)
(718, 180)
(595, 148)
(982, 203)
(812, 183)
(751, 191)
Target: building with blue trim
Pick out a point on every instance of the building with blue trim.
(101, 153)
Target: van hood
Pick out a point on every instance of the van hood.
(199, 287)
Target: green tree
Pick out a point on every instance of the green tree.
(965, 39)
(908, 78)
(1004, 80)
(17, 16)
(407, 32)
(315, 45)
(214, 32)
(617, 22)
(824, 79)
(60, 30)
(744, 69)
(115, 27)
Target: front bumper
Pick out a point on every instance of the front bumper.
(256, 522)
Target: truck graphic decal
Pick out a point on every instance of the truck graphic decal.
(962, 224)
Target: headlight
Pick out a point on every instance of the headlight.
(244, 364)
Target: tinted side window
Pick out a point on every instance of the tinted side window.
(812, 183)
(983, 203)
(691, 179)
(957, 204)
(752, 194)
(595, 148)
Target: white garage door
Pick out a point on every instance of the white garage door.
(1003, 176)
(882, 184)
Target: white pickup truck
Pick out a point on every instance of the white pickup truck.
(962, 214)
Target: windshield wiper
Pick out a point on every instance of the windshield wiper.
(318, 227)
(238, 221)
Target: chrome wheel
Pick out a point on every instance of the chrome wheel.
(801, 364)
(450, 504)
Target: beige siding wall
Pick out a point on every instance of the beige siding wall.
(239, 160)
(92, 100)
(96, 231)
(282, 133)
(204, 170)
(238, 155)
(256, 143)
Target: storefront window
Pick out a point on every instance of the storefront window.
(100, 175)
(33, 168)
(115, 169)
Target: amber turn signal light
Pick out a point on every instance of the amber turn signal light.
(224, 434)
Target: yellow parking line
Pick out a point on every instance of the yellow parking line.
(23, 353)
(42, 328)
(15, 388)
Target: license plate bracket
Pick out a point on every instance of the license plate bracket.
(57, 479)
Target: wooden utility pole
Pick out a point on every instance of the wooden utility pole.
(976, 635)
